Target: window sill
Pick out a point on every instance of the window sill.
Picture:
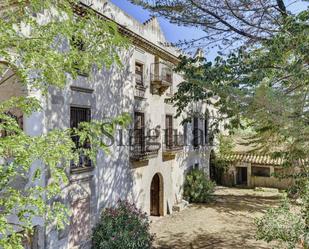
(81, 174)
(140, 87)
(140, 92)
(79, 170)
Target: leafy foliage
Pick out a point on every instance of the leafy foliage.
(287, 223)
(265, 88)
(124, 226)
(197, 187)
(225, 147)
(39, 46)
(40, 41)
(262, 85)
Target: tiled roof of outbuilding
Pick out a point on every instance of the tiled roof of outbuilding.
(252, 158)
(259, 159)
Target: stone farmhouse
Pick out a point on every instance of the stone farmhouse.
(149, 175)
(254, 170)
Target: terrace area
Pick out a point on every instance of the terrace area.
(227, 223)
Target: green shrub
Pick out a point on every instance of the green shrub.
(197, 187)
(287, 224)
(122, 227)
(284, 225)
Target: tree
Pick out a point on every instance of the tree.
(267, 85)
(42, 43)
(224, 22)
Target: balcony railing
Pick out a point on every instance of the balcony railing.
(173, 144)
(161, 77)
(144, 147)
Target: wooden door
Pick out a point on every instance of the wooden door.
(244, 175)
(155, 196)
(241, 176)
(238, 176)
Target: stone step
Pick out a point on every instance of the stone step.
(270, 190)
(180, 206)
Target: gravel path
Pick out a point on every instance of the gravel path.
(227, 223)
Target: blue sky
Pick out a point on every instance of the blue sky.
(173, 32)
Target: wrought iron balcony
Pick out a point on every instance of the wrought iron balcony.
(144, 147)
(173, 144)
(161, 77)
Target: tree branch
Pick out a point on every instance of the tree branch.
(221, 20)
(245, 21)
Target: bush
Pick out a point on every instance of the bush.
(122, 227)
(198, 188)
(288, 223)
(284, 225)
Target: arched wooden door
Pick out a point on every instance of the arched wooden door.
(156, 196)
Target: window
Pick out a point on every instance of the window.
(197, 133)
(167, 74)
(139, 74)
(139, 131)
(79, 115)
(260, 171)
(185, 133)
(206, 127)
(169, 130)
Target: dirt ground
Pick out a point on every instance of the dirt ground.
(226, 223)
